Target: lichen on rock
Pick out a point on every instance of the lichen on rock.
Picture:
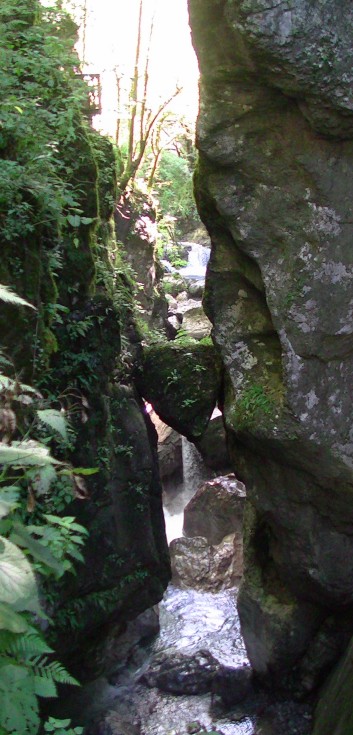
(273, 187)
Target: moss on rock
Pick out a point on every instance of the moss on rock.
(182, 383)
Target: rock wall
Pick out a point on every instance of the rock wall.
(273, 185)
(58, 250)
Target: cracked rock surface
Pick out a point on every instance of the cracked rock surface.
(273, 186)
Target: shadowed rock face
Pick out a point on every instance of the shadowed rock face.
(274, 183)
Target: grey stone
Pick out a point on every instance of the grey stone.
(232, 685)
(216, 509)
(275, 172)
(196, 288)
(197, 564)
(179, 673)
(213, 446)
(196, 324)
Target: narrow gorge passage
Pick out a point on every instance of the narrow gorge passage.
(193, 675)
(176, 330)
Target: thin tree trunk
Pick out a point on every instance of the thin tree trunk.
(134, 93)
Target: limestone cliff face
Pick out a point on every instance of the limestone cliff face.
(274, 183)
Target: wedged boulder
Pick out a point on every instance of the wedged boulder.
(179, 673)
(182, 384)
(174, 284)
(196, 289)
(198, 565)
(136, 229)
(216, 509)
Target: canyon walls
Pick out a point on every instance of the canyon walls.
(78, 345)
(273, 186)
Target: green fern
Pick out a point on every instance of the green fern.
(53, 671)
(23, 647)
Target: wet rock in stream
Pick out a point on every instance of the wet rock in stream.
(177, 673)
(197, 564)
(191, 623)
(233, 685)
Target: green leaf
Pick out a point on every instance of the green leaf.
(9, 384)
(29, 646)
(80, 471)
(8, 500)
(56, 671)
(44, 687)
(24, 454)
(54, 724)
(11, 298)
(11, 620)
(18, 703)
(55, 420)
(17, 582)
(22, 537)
(74, 220)
(86, 220)
(42, 478)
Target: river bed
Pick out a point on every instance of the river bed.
(190, 621)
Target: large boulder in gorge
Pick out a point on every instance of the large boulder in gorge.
(216, 509)
(273, 187)
(180, 673)
(197, 564)
(213, 446)
(182, 383)
(232, 685)
(196, 324)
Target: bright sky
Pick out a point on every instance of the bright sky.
(110, 42)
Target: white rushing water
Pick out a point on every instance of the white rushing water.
(198, 257)
(175, 499)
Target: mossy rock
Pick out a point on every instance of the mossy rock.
(182, 383)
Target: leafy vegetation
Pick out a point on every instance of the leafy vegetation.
(254, 403)
(45, 547)
(174, 187)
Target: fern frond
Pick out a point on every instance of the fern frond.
(53, 671)
(44, 687)
(23, 646)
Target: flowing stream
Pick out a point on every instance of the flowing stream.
(126, 702)
(190, 621)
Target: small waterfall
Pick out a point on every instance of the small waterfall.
(198, 258)
(175, 500)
